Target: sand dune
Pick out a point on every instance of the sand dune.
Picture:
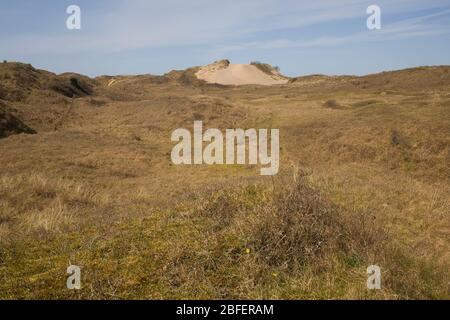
(364, 178)
(223, 72)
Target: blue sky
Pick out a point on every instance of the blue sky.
(301, 37)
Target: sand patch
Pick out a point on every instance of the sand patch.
(223, 72)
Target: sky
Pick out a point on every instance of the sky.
(300, 36)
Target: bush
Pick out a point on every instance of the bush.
(302, 227)
(332, 104)
(264, 67)
(292, 227)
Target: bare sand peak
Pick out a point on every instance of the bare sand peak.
(226, 73)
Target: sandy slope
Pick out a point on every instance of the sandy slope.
(238, 74)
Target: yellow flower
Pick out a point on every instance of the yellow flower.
(247, 250)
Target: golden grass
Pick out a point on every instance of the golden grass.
(268, 241)
(369, 185)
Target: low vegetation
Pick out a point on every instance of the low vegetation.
(364, 181)
(266, 68)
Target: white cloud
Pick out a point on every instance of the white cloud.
(413, 27)
(135, 24)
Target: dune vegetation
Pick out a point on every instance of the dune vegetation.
(86, 179)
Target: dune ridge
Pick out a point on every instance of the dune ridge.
(225, 73)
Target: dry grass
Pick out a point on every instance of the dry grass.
(45, 206)
(99, 190)
(283, 239)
